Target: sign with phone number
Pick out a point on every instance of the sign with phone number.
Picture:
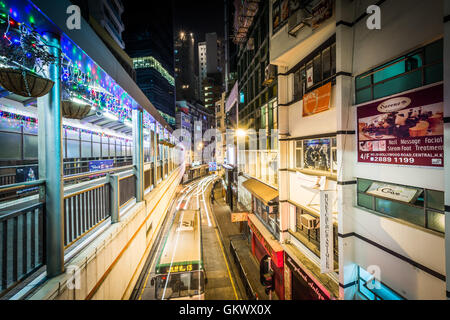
(407, 129)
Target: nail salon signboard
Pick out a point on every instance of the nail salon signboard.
(406, 129)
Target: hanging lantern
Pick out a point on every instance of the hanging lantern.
(24, 83)
(74, 110)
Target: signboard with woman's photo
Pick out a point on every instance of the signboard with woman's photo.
(407, 129)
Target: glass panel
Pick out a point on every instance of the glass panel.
(112, 149)
(365, 201)
(434, 73)
(363, 81)
(118, 148)
(317, 69)
(435, 200)
(96, 150)
(86, 151)
(396, 68)
(298, 158)
(401, 211)
(333, 59)
(73, 134)
(31, 128)
(73, 149)
(86, 136)
(11, 125)
(436, 221)
(364, 95)
(363, 185)
(30, 147)
(96, 138)
(404, 83)
(297, 86)
(434, 52)
(366, 292)
(326, 63)
(105, 150)
(11, 146)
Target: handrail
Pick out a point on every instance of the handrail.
(93, 173)
(18, 212)
(16, 186)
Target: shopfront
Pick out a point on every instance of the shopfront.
(263, 243)
(301, 285)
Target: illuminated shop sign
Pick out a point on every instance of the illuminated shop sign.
(399, 193)
(318, 289)
(405, 130)
(277, 256)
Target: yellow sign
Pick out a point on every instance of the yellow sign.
(239, 217)
(181, 268)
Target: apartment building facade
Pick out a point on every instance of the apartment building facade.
(361, 118)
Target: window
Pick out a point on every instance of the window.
(373, 289)
(316, 70)
(316, 154)
(425, 208)
(307, 231)
(418, 68)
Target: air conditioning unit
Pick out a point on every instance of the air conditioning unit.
(309, 222)
(298, 21)
(270, 74)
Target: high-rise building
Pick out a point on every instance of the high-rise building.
(202, 66)
(185, 75)
(211, 59)
(109, 14)
(149, 42)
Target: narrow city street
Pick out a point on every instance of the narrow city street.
(221, 283)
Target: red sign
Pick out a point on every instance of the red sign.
(276, 255)
(407, 129)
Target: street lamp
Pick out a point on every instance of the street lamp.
(241, 133)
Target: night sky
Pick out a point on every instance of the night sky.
(200, 17)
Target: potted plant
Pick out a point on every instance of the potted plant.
(24, 57)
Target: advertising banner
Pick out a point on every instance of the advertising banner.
(100, 165)
(407, 129)
(317, 101)
(326, 231)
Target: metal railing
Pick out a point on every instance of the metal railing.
(84, 210)
(251, 293)
(88, 204)
(149, 177)
(127, 189)
(22, 237)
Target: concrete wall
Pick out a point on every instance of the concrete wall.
(110, 265)
(372, 48)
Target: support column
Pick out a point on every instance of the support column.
(155, 158)
(447, 138)
(51, 163)
(346, 143)
(138, 154)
